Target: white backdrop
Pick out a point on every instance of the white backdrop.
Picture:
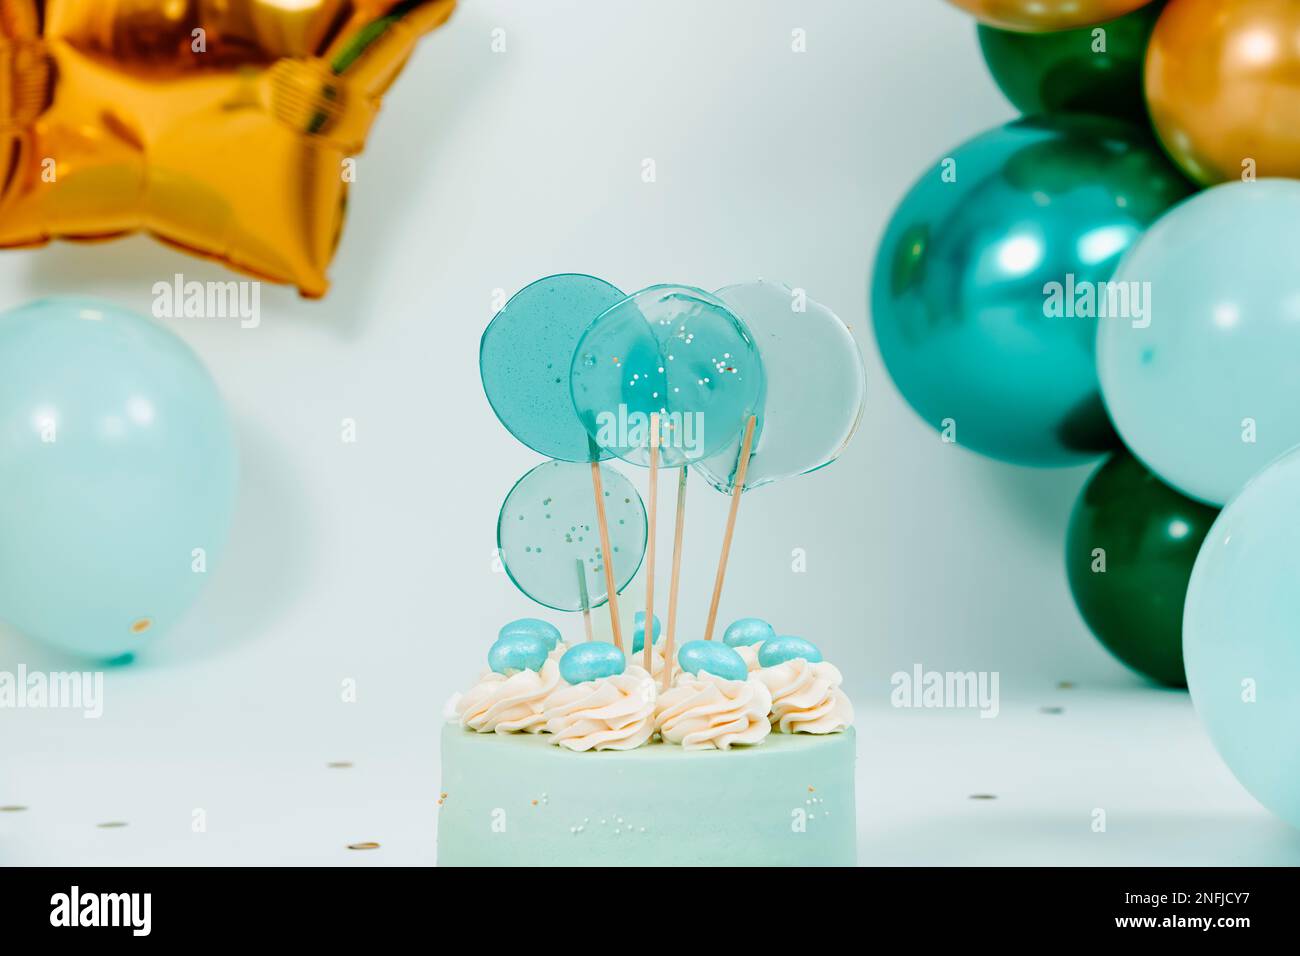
(372, 561)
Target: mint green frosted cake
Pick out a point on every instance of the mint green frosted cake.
(520, 800)
(573, 756)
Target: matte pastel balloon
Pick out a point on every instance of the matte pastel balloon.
(544, 631)
(1205, 387)
(547, 531)
(1240, 640)
(815, 385)
(969, 291)
(712, 657)
(1039, 15)
(747, 631)
(591, 660)
(1094, 69)
(1129, 552)
(778, 650)
(119, 476)
(669, 349)
(638, 631)
(524, 361)
(1222, 89)
(518, 652)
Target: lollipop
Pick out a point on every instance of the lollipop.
(549, 542)
(667, 374)
(524, 360)
(816, 385)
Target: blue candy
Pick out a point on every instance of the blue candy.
(519, 652)
(591, 660)
(638, 635)
(747, 631)
(778, 650)
(712, 658)
(532, 627)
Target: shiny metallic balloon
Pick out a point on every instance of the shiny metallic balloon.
(1223, 87)
(221, 128)
(980, 290)
(1034, 16)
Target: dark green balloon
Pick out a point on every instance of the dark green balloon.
(1150, 536)
(1061, 72)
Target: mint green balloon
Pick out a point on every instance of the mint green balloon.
(119, 473)
(1241, 644)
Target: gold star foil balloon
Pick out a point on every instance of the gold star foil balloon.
(222, 127)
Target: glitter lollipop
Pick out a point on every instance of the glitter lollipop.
(669, 374)
(549, 541)
(816, 385)
(524, 361)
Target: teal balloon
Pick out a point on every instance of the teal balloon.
(638, 631)
(781, 649)
(119, 476)
(544, 631)
(524, 360)
(518, 652)
(712, 657)
(1074, 70)
(962, 295)
(591, 660)
(1240, 640)
(747, 631)
(1205, 389)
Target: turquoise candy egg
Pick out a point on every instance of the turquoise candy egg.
(532, 627)
(518, 652)
(638, 634)
(713, 658)
(747, 631)
(778, 650)
(591, 660)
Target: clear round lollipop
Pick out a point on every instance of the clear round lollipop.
(816, 386)
(674, 350)
(524, 361)
(548, 538)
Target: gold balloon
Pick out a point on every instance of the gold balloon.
(222, 127)
(1039, 16)
(1223, 87)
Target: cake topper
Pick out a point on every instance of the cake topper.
(524, 360)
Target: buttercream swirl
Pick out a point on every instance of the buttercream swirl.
(507, 703)
(706, 712)
(749, 654)
(806, 697)
(612, 713)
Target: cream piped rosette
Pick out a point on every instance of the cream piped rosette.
(508, 703)
(706, 712)
(806, 697)
(749, 654)
(609, 713)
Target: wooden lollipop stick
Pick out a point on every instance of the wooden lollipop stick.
(586, 600)
(606, 555)
(737, 488)
(649, 624)
(678, 529)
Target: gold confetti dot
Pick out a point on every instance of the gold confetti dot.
(111, 825)
(339, 764)
(443, 795)
(142, 625)
(363, 846)
(812, 789)
(983, 796)
(534, 803)
(1066, 685)
(12, 808)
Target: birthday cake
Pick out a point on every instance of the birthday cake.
(738, 751)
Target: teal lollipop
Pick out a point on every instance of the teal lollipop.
(815, 386)
(548, 528)
(524, 360)
(675, 351)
